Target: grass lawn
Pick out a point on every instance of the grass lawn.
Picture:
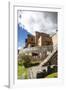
(53, 75)
(22, 72)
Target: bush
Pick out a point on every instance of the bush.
(55, 68)
(27, 61)
(24, 59)
(40, 75)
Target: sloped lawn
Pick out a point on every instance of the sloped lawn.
(53, 75)
(22, 72)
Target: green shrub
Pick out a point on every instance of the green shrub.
(27, 61)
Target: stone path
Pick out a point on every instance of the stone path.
(32, 72)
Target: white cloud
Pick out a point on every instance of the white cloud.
(19, 47)
(38, 21)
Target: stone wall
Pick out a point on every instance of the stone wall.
(55, 39)
(43, 39)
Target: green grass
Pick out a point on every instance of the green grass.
(22, 71)
(23, 68)
(53, 75)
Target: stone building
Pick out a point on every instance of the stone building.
(40, 39)
(38, 42)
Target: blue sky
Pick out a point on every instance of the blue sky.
(22, 35)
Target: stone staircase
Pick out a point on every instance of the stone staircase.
(43, 66)
(48, 58)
